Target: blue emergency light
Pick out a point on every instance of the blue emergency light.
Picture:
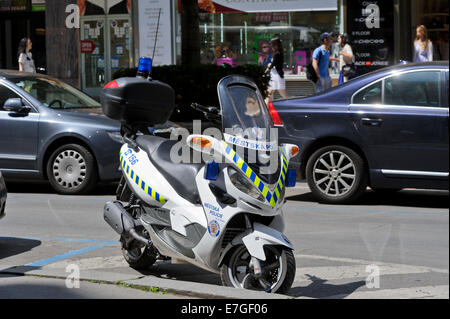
(291, 179)
(145, 65)
(211, 171)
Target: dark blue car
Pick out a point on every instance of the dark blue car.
(387, 130)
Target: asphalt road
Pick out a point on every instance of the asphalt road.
(403, 237)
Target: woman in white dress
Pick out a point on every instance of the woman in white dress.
(277, 81)
(26, 63)
(423, 47)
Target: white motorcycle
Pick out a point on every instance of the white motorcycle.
(224, 215)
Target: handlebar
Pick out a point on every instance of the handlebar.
(205, 109)
(212, 113)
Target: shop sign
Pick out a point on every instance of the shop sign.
(370, 25)
(148, 24)
(13, 5)
(227, 6)
(269, 17)
(87, 46)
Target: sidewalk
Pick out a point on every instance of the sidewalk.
(29, 287)
(118, 280)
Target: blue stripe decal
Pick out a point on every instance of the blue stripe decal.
(244, 167)
(143, 186)
(253, 177)
(228, 150)
(235, 158)
(279, 188)
(261, 186)
(269, 197)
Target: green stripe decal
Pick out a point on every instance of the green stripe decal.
(140, 183)
(272, 198)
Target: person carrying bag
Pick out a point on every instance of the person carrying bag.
(346, 59)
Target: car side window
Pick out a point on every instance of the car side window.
(413, 89)
(6, 93)
(446, 85)
(369, 95)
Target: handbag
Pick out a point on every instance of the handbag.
(349, 70)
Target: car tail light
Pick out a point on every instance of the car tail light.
(111, 85)
(274, 115)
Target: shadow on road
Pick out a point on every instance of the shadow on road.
(10, 246)
(35, 290)
(405, 198)
(185, 272)
(320, 289)
(46, 188)
(317, 289)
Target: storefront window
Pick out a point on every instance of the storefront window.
(106, 30)
(244, 38)
(435, 16)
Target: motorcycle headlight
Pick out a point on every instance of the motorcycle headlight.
(116, 136)
(244, 185)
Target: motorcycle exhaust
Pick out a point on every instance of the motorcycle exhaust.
(117, 217)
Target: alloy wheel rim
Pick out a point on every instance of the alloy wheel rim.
(69, 169)
(334, 174)
(240, 270)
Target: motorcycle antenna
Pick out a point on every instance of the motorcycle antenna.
(156, 39)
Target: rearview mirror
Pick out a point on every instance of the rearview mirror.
(15, 105)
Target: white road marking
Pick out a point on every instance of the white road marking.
(435, 292)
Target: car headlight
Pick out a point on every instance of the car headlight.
(116, 136)
(244, 185)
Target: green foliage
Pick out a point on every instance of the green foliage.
(198, 84)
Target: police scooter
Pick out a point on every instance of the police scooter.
(223, 215)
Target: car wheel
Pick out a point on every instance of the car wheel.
(71, 169)
(336, 175)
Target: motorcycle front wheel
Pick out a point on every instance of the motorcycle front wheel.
(278, 270)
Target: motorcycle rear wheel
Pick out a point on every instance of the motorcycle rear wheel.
(278, 270)
(139, 257)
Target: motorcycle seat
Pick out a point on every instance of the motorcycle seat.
(181, 176)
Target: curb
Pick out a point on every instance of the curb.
(193, 289)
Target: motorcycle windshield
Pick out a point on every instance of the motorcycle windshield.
(248, 127)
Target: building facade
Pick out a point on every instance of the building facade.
(85, 41)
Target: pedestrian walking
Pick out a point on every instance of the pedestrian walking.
(346, 59)
(275, 67)
(264, 57)
(423, 47)
(321, 62)
(26, 63)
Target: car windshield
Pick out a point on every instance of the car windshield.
(54, 94)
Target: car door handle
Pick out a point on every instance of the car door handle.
(371, 121)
